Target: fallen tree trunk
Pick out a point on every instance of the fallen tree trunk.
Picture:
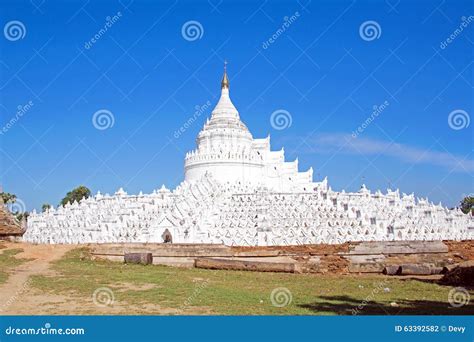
(138, 258)
(415, 269)
(392, 270)
(437, 270)
(242, 265)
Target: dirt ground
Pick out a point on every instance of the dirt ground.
(17, 297)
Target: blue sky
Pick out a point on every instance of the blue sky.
(322, 68)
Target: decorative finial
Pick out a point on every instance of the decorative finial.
(225, 80)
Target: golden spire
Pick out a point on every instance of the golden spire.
(225, 81)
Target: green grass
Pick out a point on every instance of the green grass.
(247, 293)
(8, 261)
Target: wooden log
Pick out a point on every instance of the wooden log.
(437, 270)
(243, 265)
(448, 268)
(138, 258)
(392, 270)
(415, 269)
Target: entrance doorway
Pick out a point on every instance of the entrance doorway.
(166, 236)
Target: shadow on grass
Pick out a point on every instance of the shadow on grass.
(345, 305)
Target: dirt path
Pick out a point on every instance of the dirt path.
(15, 294)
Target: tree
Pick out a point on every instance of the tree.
(45, 207)
(76, 195)
(20, 216)
(7, 197)
(467, 205)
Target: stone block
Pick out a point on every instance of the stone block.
(138, 258)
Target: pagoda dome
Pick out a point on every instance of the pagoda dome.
(224, 129)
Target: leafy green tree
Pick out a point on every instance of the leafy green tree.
(467, 205)
(45, 207)
(20, 216)
(7, 197)
(76, 195)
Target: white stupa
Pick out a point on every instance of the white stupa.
(227, 151)
(238, 192)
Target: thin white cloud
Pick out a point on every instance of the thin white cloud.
(346, 143)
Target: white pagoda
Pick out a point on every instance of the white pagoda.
(227, 151)
(237, 191)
